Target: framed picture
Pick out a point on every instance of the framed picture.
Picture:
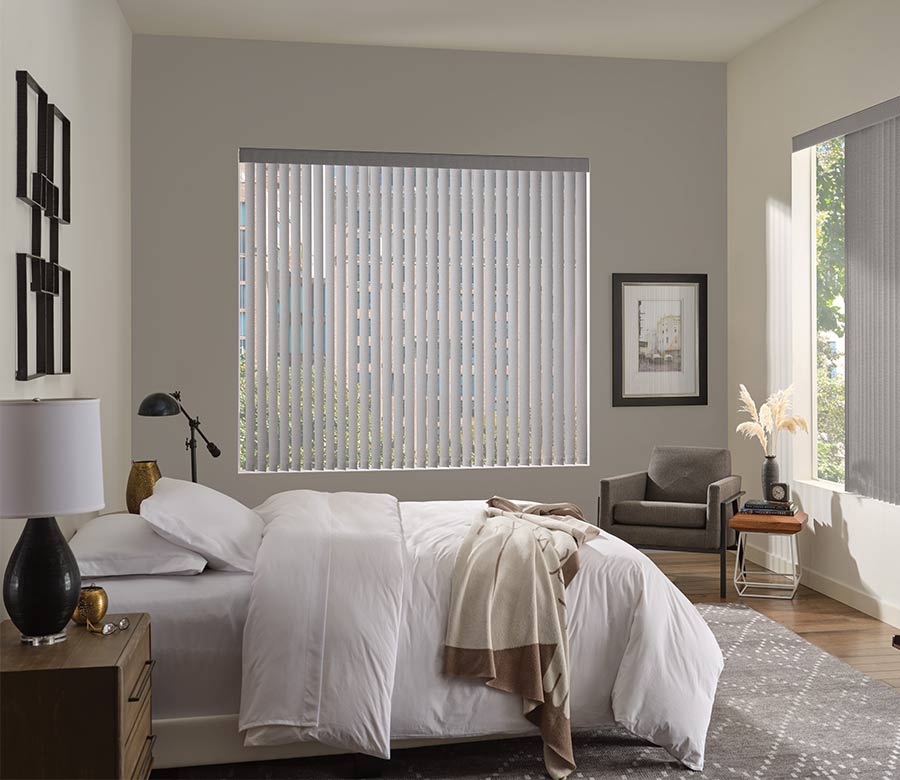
(659, 340)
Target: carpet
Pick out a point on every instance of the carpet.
(785, 710)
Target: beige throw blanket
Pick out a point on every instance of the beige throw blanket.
(508, 621)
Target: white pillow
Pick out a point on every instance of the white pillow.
(222, 530)
(121, 544)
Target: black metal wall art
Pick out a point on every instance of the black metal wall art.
(43, 182)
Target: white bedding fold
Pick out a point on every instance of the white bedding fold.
(320, 643)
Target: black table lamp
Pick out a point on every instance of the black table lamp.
(50, 464)
(169, 404)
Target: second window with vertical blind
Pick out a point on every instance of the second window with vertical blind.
(403, 311)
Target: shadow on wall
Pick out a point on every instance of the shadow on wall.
(835, 538)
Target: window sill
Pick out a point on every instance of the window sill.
(823, 484)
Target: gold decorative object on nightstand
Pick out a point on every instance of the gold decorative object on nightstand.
(92, 605)
(144, 475)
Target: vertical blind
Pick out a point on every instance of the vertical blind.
(412, 311)
(872, 204)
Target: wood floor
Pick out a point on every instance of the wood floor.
(859, 640)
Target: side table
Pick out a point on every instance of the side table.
(779, 525)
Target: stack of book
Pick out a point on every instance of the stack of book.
(754, 507)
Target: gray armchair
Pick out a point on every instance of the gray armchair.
(682, 502)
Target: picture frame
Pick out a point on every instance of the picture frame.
(43, 182)
(660, 339)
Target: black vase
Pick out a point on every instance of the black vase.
(42, 582)
(769, 474)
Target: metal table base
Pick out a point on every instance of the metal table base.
(776, 582)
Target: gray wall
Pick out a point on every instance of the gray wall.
(654, 132)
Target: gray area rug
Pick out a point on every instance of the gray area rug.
(784, 709)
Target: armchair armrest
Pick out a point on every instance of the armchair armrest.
(626, 487)
(724, 491)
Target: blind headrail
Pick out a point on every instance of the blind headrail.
(849, 124)
(414, 160)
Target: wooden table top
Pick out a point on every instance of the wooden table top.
(768, 524)
(82, 649)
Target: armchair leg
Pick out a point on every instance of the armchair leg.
(722, 573)
(723, 545)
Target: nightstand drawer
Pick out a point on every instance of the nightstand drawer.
(139, 742)
(136, 683)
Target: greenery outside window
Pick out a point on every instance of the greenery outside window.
(830, 311)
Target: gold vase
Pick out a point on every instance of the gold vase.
(92, 605)
(144, 475)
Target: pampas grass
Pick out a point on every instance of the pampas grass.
(773, 416)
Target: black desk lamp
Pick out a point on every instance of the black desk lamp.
(169, 404)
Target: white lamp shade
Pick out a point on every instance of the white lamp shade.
(50, 457)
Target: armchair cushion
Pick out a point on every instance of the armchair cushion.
(683, 474)
(668, 514)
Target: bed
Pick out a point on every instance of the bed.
(641, 656)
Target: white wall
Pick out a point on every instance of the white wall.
(655, 135)
(80, 53)
(839, 58)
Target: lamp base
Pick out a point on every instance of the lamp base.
(49, 639)
(42, 583)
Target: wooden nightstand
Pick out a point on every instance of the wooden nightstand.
(79, 709)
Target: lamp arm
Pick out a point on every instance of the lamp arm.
(194, 422)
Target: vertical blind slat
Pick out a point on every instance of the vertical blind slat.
(340, 312)
(375, 204)
(386, 331)
(512, 273)
(500, 292)
(306, 305)
(365, 268)
(431, 353)
(413, 317)
(272, 314)
(546, 443)
(556, 315)
(478, 313)
(284, 322)
(568, 321)
(453, 306)
(466, 262)
(295, 345)
(318, 318)
(581, 324)
(328, 310)
(534, 305)
(489, 314)
(409, 343)
(249, 316)
(443, 346)
(420, 247)
(353, 342)
(397, 318)
(524, 315)
(261, 359)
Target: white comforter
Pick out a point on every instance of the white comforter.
(343, 643)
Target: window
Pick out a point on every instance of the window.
(830, 309)
(854, 167)
(413, 311)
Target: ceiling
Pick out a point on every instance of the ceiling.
(706, 30)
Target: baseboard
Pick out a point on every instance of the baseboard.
(839, 591)
(214, 739)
